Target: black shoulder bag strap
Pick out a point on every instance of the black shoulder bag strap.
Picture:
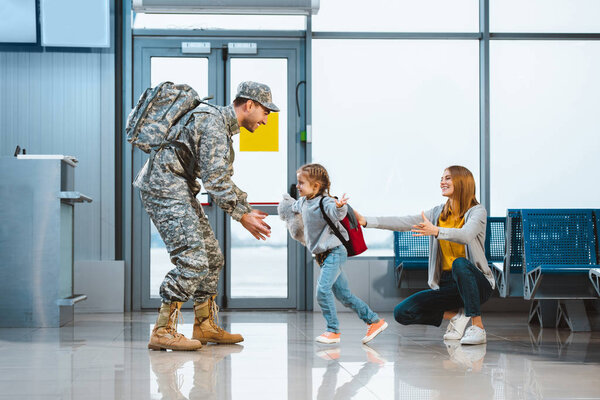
(335, 230)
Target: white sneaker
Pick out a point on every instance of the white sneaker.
(456, 326)
(474, 335)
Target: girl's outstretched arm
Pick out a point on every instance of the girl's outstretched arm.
(297, 205)
(333, 211)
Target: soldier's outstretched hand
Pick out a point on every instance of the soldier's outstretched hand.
(255, 224)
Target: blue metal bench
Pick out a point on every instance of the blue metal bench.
(495, 244)
(559, 248)
(509, 272)
(411, 253)
(594, 273)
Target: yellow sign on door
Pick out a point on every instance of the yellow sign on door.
(265, 138)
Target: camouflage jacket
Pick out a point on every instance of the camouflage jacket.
(200, 146)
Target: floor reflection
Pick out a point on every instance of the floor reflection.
(329, 386)
(462, 373)
(463, 356)
(561, 338)
(191, 374)
(105, 356)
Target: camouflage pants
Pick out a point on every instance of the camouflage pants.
(192, 245)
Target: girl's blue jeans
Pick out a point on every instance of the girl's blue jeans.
(333, 283)
(464, 286)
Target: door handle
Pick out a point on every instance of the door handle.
(293, 191)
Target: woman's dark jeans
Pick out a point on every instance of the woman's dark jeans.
(464, 286)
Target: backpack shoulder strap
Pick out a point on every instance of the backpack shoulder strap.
(334, 228)
(353, 222)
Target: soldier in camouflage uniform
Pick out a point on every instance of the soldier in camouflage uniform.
(201, 148)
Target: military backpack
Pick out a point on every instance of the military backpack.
(157, 110)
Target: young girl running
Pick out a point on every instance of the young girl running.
(313, 185)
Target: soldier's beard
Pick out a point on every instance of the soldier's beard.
(251, 127)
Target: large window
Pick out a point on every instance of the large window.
(397, 16)
(389, 116)
(545, 16)
(545, 124)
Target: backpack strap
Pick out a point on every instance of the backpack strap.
(189, 115)
(334, 228)
(353, 222)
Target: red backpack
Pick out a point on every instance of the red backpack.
(355, 244)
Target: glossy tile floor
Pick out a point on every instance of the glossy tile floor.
(104, 356)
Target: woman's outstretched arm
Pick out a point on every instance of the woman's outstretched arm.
(473, 227)
(404, 223)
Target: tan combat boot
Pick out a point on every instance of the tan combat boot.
(164, 335)
(206, 328)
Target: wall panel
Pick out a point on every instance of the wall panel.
(54, 102)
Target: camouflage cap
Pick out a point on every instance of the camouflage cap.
(258, 92)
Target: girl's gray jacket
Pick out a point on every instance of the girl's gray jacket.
(318, 236)
(472, 235)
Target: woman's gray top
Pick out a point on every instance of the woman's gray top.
(472, 235)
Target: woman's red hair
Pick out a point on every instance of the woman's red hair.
(463, 197)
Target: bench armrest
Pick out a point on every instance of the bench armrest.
(566, 268)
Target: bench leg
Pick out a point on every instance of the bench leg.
(532, 283)
(501, 282)
(595, 282)
(544, 313)
(573, 313)
(399, 272)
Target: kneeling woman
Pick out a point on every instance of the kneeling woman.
(459, 275)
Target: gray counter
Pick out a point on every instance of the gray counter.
(36, 241)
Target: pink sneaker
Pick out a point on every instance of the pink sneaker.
(328, 337)
(374, 329)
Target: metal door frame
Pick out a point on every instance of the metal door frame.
(293, 48)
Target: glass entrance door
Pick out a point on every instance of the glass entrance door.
(262, 273)
(257, 274)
